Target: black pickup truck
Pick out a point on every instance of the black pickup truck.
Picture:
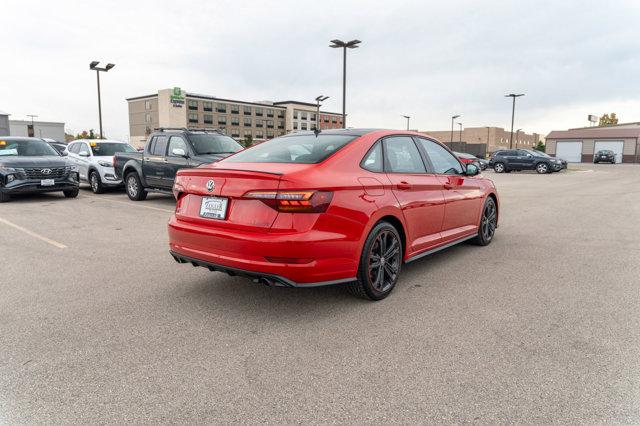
(166, 152)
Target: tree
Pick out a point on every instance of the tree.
(248, 141)
(540, 146)
(87, 135)
(608, 120)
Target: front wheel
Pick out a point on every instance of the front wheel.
(542, 168)
(135, 191)
(4, 197)
(488, 223)
(72, 193)
(380, 263)
(499, 168)
(96, 183)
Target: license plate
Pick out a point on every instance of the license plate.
(47, 182)
(214, 207)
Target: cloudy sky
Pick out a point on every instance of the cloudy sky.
(427, 59)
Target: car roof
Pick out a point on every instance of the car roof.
(98, 141)
(20, 138)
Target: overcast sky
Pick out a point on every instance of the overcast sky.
(426, 59)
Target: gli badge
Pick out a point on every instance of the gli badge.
(210, 185)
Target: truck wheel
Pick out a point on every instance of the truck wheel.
(72, 193)
(135, 191)
(4, 197)
(95, 182)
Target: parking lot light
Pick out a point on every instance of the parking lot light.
(453, 117)
(319, 99)
(93, 66)
(353, 44)
(513, 112)
(408, 118)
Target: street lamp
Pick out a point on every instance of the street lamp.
(94, 67)
(318, 100)
(408, 118)
(517, 135)
(460, 124)
(513, 111)
(353, 44)
(488, 128)
(453, 117)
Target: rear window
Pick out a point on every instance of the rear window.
(297, 149)
(103, 149)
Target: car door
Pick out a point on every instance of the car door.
(72, 153)
(463, 194)
(177, 158)
(419, 193)
(526, 160)
(83, 160)
(153, 161)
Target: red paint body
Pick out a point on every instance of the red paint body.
(433, 210)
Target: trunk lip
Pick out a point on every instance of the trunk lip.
(210, 171)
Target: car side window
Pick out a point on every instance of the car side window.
(442, 160)
(176, 142)
(373, 160)
(522, 153)
(159, 148)
(73, 148)
(401, 155)
(83, 148)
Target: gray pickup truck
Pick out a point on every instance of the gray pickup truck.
(166, 152)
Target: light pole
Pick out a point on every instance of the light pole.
(453, 117)
(318, 100)
(488, 128)
(94, 67)
(353, 44)
(408, 118)
(513, 112)
(460, 124)
(517, 135)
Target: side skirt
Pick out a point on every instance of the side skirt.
(437, 249)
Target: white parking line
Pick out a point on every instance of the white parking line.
(33, 234)
(98, 198)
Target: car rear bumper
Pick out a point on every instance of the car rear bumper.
(328, 258)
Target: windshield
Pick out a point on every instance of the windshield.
(605, 151)
(104, 149)
(298, 149)
(213, 143)
(465, 155)
(26, 148)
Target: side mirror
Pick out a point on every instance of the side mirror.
(178, 152)
(472, 170)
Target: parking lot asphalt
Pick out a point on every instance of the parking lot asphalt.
(98, 324)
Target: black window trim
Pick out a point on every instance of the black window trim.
(427, 160)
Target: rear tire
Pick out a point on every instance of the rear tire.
(488, 223)
(134, 188)
(96, 183)
(71, 193)
(380, 263)
(4, 197)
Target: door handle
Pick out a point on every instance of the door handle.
(403, 186)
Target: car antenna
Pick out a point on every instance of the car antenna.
(316, 132)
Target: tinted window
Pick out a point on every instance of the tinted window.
(159, 146)
(373, 160)
(442, 160)
(176, 142)
(107, 149)
(302, 149)
(402, 155)
(26, 148)
(213, 143)
(83, 148)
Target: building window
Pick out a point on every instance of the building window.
(313, 126)
(258, 123)
(295, 125)
(247, 122)
(303, 126)
(193, 117)
(325, 118)
(235, 121)
(313, 117)
(221, 107)
(259, 112)
(208, 119)
(334, 120)
(259, 134)
(269, 134)
(295, 114)
(280, 124)
(222, 119)
(269, 113)
(235, 109)
(269, 124)
(247, 110)
(303, 115)
(147, 118)
(192, 104)
(281, 114)
(247, 134)
(207, 106)
(235, 133)
(147, 104)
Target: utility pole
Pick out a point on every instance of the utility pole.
(513, 112)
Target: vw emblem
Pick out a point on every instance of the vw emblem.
(210, 185)
(45, 171)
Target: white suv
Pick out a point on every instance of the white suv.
(94, 158)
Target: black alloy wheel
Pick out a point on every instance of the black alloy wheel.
(488, 223)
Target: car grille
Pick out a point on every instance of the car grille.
(46, 172)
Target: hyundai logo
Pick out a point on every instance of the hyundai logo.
(45, 171)
(210, 185)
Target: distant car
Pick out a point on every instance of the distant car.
(509, 160)
(30, 165)
(59, 146)
(94, 159)
(470, 158)
(604, 155)
(484, 164)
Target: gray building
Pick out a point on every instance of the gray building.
(41, 129)
(4, 124)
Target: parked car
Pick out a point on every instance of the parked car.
(470, 158)
(59, 146)
(94, 159)
(521, 159)
(166, 152)
(287, 213)
(605, 155)
(30, 165)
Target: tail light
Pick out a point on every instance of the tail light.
(294, 201)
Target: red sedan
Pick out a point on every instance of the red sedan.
(343, 206)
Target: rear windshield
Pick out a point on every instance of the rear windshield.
(297, 149)
(103, 149)
(26, 148)
(605, 151)
(213, 143)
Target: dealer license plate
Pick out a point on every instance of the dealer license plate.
(214, 207)
(47, 182)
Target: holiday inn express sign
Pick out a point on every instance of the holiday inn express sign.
(177, 98)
